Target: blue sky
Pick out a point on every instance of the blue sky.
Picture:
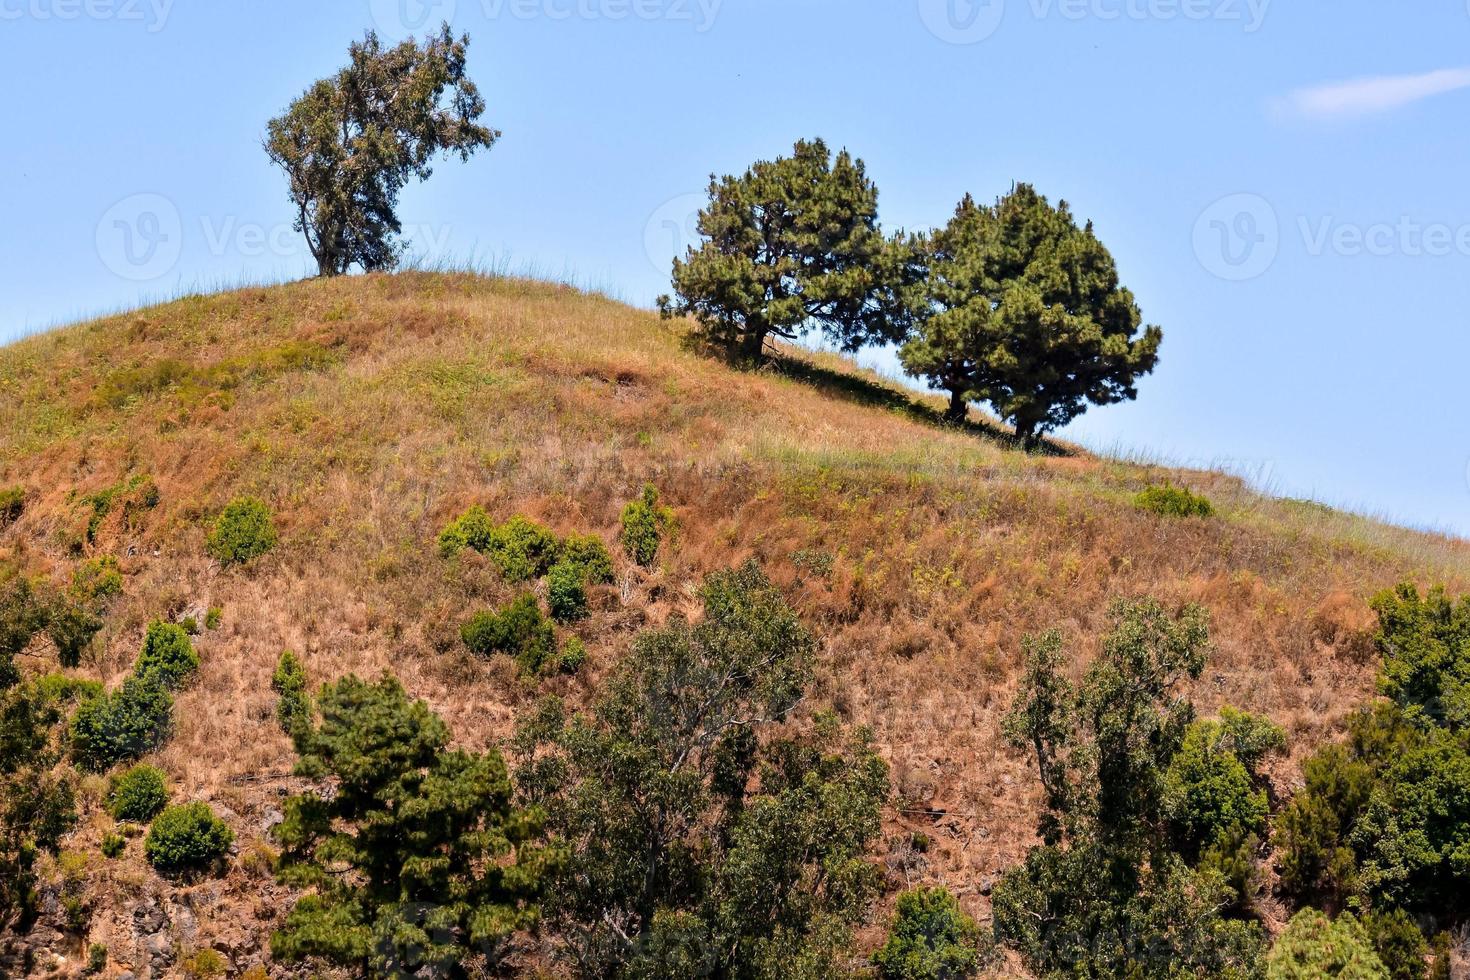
(1283, 184)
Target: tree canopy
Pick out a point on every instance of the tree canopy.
(353, 141)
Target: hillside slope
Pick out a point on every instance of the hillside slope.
(369, 411)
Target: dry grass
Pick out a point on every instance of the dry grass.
(369, 411)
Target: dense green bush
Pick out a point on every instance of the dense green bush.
(419, 826)
(72, 627)
(137, 794)
(931, 938)
(1426, 654)
(473, 529)
(113, 844)
(1314, 947)
(243, 531)
(97, 580)
(12, 505)
(522, 549)
(1171, 501)
(186, 838)
(293, 704)
(1398, 942)
(573, 656)
(121, 726)
(519, 631)
(168, 655)
(566, 593)
(587, 552)
(644, 522)
(1213, 785)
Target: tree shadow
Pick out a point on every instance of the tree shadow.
(865, 391)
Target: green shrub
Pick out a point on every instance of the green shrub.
(472, 530)
(72, 627)
(1171, 501)
(97, 580)
(23, 614)
(644, 522)
(1398, 942)
(213, 617)
(168, 655)
(519, 631)
(206, 964)
(522, 549)
(242, 532)
(293, 704)
(137, 794)
(186, 838)
(587, 552)
(1211, 787)
(565, 592)
(931, 938)
(121, 726)
(12, 505)
(1313, 947)
(96, 958)
(573, 656)
(113, 844)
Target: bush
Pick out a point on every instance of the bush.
(1211, 787)
(644, 522)
(206, 964)
(186, 838)
(1313, 947)
(212, 618)
(573, 656)
(522, 549)
(243, 531)
(587, 552)
(113, 845)
(121, 726)
(97, 580)
(72, 627)
(12, 505)
(472, 529)
(1398, 942)
(96, 958)
(519, 630)
(1170, 501)
(168, 655)
(137, 794)
(931, 939)
(566, 592)
(293, 704)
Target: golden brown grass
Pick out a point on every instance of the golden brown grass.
(369, 411)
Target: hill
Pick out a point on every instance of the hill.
(368, 412)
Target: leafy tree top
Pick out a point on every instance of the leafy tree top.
(353, 141)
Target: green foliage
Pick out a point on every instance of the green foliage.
(351, 142)
(96, 958)
(1212, 787)
(1105, 895)
(186, 839)
(791, 244)
(573, 656)
(124, 725)
(1398, 942)
(587, 552)
(644, 522)
(72, 627)
(37, 806)
(698, 844)
(243, 532)
(931, 938)
(213, 617)
(23, 614)
(519, 630)
(566, 592)
(522, 549)
(1426, 654)
(1017, 306)
(168, 656)
(1167, 500)
(97, 580)
(12, 505)
(293, 704)
(1313, 947)
(443, 866)
(204, 964)
(473, 529)
(137, 794)
(113, 845)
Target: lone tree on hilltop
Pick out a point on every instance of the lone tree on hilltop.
(791, 244)
(352, 141)
(1021, 308)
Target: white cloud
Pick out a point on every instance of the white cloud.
(1367, 96)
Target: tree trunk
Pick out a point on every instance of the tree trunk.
(1026, 433)
(752, 346)
(959, 408)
